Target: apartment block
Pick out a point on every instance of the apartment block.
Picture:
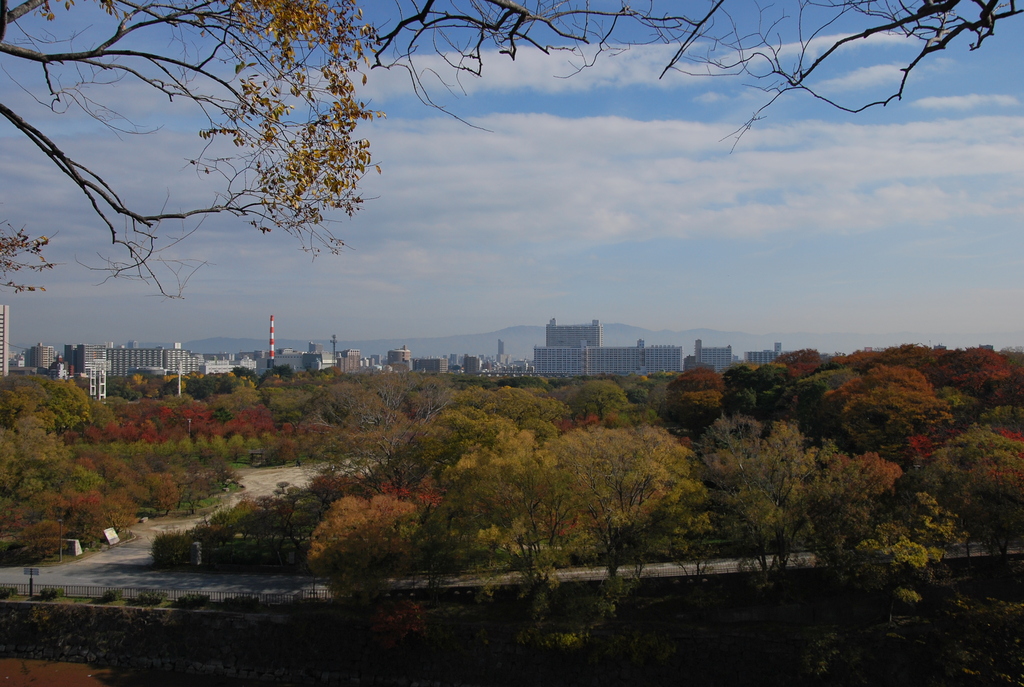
(171, 360)
(574, 335)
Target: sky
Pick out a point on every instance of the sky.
(539, 192)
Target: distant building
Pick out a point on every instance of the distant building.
(348, 360)
(588, 355)
(501, 348)
(438, 365)
(123, 361)
(574, 335)
(81, 359)
(713, 357)
(287, 357)
(40, 356)
(471, 364)
(400, 355)
(315, 347)
(558, 360)
(98, 383)
(220, 366)
(763, 357)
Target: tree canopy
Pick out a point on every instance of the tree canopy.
(275, 82)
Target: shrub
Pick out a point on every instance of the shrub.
(150, 598)
(171, 549)
(242, 603)
(192, 600)
(41, 539)
(110, 596)
(7, 592)
(393, 622)
(50, 593)
(566, 642)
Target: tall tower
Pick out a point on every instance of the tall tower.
(5, 336)
(271, 342)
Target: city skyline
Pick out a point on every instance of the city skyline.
(610, 193)
(522, 338)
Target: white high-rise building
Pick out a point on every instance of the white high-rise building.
(763, 357)
(574, 335)
(170, 360)
(717, 357)
(587, 358)
(558, 360)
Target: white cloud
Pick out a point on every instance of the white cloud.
(874, 76)
(575, 70)
(966, 102)
(502, 218)
(570, 182)
(710, 98)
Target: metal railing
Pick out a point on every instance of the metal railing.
(215, 596)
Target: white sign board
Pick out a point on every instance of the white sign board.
(111, 534)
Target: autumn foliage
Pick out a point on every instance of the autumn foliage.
(876, 456)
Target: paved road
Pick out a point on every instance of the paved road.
(129, 564)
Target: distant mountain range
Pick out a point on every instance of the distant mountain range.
(520, 340)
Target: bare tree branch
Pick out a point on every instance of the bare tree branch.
(779, 46)
(273, 79)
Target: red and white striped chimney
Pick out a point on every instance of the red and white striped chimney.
(271, 341)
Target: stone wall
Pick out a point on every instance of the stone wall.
(323, 647)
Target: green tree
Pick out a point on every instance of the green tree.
(754, 390)
(694, 400)
(902, 550)
(527, 408)
(634, 489)
(598, 397)
(520, 503)
(59, 405)
(847, 501)
(979, 476)
(761, 485)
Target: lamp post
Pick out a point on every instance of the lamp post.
(189, 427)
(60, 541)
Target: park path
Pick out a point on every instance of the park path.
(128, 564)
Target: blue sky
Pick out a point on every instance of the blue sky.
(611, 195)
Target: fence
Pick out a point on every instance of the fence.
(96, 592)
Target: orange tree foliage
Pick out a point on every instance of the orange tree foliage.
(908, 355)
(361, 542)
(974, 371)
(879, 411)
(800, 363)
(848, 500)
(694, 400)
